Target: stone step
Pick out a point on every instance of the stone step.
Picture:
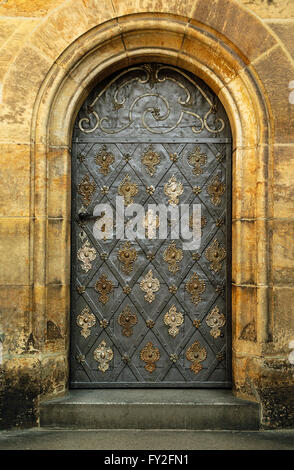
(150, 409)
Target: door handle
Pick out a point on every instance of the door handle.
(84, 216)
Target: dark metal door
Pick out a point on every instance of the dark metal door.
(146, 312)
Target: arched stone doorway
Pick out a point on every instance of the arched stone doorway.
(91, 59)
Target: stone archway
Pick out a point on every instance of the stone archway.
(200, 50)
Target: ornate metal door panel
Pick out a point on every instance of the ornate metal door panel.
(146, 313)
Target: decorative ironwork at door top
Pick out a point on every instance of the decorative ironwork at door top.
(146, 312)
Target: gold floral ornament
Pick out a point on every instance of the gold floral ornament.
(196, 354)
(215, 320)
(216, 189)
(150, 190)
(127, 319)
(104, 190)
(85, 320)
(174, 157)
(150, 256)
(127, 256)
(104, 323)
(149, 284)
(173, 319)
(86, 254)
(125, 357)
(150, 223)
(86, 189)
(81, 289)
(150, 324)
(196, 190)
(195, 287)
(203, 222)
(150, 159)
(215, 253)
(80, 358)
(220, 356)
(173, 289)
(196, 256)
(173, 255)
(104, 286)
(219, 222)
(196, 159)
(173, 358)
(173, 190)
(196, 323)
(126, 289)
(128, 190)
(149, 354)
(103, 355)
(104, 159)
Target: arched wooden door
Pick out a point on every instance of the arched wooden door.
(146, 312)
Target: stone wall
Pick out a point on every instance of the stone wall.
(48, 62)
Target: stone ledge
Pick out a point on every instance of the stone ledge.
(150, 409)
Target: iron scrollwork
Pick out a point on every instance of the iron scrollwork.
(148, 74)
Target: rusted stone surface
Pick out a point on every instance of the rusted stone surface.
(229, 19)
(15, 320)
(157, 6)
(283, 189)
(54, 375)
(19, 397)
(57, 327)
(14, 251)
(58, 246)
(283, 252)
(13, 34)
(243, 301)
(270, 8)
(58, 168)
(19, 92)
(275, 71)
(68, 23)
(35, 8)
(284, 31)
(15, 177)
(244, 262)
(275, 391)
(283, 321)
